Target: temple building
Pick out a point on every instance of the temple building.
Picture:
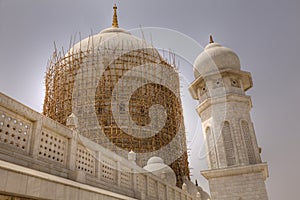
(112, 127)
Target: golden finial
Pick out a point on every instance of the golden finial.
(115, 18)
(211, 40)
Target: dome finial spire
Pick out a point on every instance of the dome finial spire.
(115, 18)
(211, 40)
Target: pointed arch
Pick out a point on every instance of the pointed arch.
(228, 144)
(248, 142)
(211, 147)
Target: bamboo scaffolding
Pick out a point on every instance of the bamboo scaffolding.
(62, 70)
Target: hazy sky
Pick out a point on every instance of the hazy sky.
(265, 35)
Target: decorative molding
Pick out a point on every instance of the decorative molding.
(235, 171)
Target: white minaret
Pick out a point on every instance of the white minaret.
(235, 168)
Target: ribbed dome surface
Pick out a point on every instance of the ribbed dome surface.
(116, 39)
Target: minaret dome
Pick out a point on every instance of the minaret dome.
(215, 57)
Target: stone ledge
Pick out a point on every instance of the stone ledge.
(223, 99)
(233, 171)
(15, 169)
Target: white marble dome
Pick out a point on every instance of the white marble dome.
(115, 39)
(156, 166)
(214, 58)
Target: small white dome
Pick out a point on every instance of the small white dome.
(215, 57)
(156, 166)
(155, 159)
